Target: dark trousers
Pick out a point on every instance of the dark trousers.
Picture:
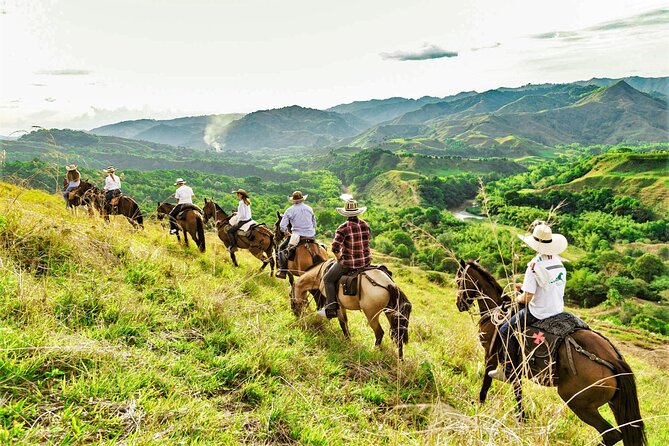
(173, 216)
(109, 195)
(330, 280)
(518, 322)
(232, 232)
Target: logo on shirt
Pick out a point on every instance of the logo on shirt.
(558, 279)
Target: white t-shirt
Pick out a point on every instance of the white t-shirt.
(184, 195)
(243, 211)
(112, 182)
(549, 299)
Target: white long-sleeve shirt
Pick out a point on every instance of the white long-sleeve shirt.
(112, 182)
(243, 211)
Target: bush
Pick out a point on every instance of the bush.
(585, 288)
(647, 267)
(626, 287)
(650, 323)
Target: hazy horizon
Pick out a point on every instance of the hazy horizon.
(69, 65)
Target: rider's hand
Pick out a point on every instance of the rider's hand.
(518, 287)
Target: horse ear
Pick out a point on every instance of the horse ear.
(278, 215)
(462, 263)
(205, 200)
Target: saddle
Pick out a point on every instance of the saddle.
(303, 241)
(350, 283)
(114, 201)
(189, 207)
(541, 341)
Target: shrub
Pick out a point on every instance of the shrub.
(626, 287)
(650, 323)
(647, 267)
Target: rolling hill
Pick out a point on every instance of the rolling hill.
(514, 122)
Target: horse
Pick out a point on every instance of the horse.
(82, 195)
(306, 254)
(260, 242)
(189, 220)
(602, 375)
(377, 293)
(125, 206)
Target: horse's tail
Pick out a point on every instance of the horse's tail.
(398, 311)
(625, 406)
(200, 233)
(136, 213)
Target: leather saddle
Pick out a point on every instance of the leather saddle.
(350, 283)
(540, 344)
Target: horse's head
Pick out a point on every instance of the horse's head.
(475, 283)
(278, 233)
(209, 210)
(162, 209)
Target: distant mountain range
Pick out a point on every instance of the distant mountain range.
(500, 122)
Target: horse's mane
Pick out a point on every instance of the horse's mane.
(486, 275)
(218, 208)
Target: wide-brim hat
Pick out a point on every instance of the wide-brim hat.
(179, 181)
(297, 197)
(109, 169)
(543, 241)
(71, 167)
(351, 209)
(241, 192)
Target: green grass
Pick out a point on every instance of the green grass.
(109, 335)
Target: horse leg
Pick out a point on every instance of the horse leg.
(518, 393)
(490, 365)
(589, 414)
(373, 319)
(343, 322)
(234, 259)
(185, 237)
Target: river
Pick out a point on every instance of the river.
(461, 214)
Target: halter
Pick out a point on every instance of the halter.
(497, 314)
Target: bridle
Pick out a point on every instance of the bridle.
(497, 314)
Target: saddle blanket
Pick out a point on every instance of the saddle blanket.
(245, 227)
(561, 324)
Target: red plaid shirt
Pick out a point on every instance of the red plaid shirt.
(352, 239)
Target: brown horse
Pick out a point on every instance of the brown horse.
(83, 196)
(125, 206)
(306, 254)
(377, 293)
(189, 220)
(260, 242)
(595, 383)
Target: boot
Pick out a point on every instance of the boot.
(283, 265)
(328, 311)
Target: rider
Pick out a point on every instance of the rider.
(302, 223)
(71, 182)
(351, 248)
(243, 216)
(112, 185)
(542, 291)
(184, 195)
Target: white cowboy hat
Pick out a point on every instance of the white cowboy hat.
(109, 169)
(179, 181)
(297, 197)
(71, 167)
(543, 241)
(351, 209)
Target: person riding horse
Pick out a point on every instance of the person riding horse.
(351, 248)
(71, 181)
(243, 217)
(184, 195)
(542, 292)
(302, 221)
(112, 187)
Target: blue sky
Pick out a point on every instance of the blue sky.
(81, 64)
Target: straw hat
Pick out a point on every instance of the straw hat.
(71, 167)
(110, 169)
(351, 209)
(297, 197)
(543, 241)
(179, 181)
(242, 192)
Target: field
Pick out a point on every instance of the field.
(115, 336)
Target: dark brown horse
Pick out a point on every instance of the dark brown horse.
(306, 254)
(125, 206)
(594, 383)
(87, 194)
(260, 242)
(189, 220)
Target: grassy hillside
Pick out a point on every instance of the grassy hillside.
(113, 336)
(644, 176)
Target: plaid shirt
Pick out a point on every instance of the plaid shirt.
(352, 240)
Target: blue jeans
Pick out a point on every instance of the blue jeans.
(330, 280)
(519, 321)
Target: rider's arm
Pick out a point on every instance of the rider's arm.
(285, 221)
